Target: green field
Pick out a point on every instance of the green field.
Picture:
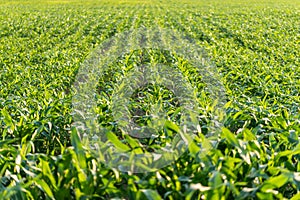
(255, 48)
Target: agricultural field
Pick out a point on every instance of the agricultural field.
(245, 107)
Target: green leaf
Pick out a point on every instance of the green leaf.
(47, 172)
(8, 120)
(172, 126)
(248, 135)
(296, 196)
(44, 186)
(117, 143)
(78, 148)
(261, 195)
(230, 137)
(151, 194)
(193, 148)
(216, 183)
(276, 182)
